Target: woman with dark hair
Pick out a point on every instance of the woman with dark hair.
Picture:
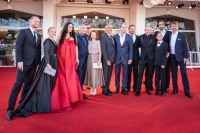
(67, 87)
(38, 98)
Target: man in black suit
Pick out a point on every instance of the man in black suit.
(134, 65)
(108, 57)
(179, 57)
(28, 56)
(165, 33)
(161, 51)
(147, 43)
(123, 58)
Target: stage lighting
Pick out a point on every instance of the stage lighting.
(192, 6)
(8, 1)
(141, 2)
(89, 1)
(125, 2)
(179, 6)
(107, 2)
(71, 0)
(169, 3)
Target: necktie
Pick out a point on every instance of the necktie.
(111, 38)
(34, 38)
(158, 43)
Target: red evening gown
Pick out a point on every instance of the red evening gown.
(67, 87)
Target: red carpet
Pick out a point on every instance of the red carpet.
(115, 114)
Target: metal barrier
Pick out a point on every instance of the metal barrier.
(194, 60)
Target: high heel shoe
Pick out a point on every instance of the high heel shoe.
(91, 91)
(94, 92)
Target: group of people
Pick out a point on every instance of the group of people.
(73, 57)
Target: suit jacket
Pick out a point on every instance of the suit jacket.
(165, 38)
(49, 48)
(123, 52)
(181, 47)
(107, 48)
(82, 48)
(136, 49)
(160, 54)
(26, 51)
(147, 49)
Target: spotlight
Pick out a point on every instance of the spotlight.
(71, 0)
(8, 1)
(89, 1)
(125, 2)
(169, 3)
(192, 6)
(141, 2)
(107, 2)
(179, 6)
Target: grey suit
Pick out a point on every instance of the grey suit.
(108, 54)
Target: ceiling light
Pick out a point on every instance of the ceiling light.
(107, 17)
(8, 1)
(179, 6)
(96, 17)
(73, 17)
(169, 3)
(192, 6)
(85, 16)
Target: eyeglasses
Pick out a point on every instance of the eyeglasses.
(88, 27)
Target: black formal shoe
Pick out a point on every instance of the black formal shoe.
(151, 89)
(137, 94)
(125, 92)
(174, 92)
(162, 94)
(157, 93)
(116, 91)
(148, 92)
(128, 89)
(109, 91)
(189, 95)
(9, 115)
(105, 92)
(84, 96)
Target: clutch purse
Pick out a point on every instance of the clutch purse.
(51, 72)
(95, 66)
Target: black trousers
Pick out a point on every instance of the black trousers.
(168, 70)
(26, 76)
(107, 73)
(81, 72)
(133, 68)
(124, 75)
(160, 78)
(149, 66)
(174, 69)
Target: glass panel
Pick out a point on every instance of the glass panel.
(191, 41)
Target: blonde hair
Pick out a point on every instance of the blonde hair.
(122, 24)
(50, 28)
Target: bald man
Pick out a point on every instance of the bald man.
(147, 43)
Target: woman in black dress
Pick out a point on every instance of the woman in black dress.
(38, 98)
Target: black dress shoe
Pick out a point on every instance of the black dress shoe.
(125, 92)
(148, 92)
(137, 94)
(167, 89)
(189, 95)
(157, 93)
(109, 91)
(162, 94)
(174, 92)
(151, 89)
(105, 92)
(9, 115)
(116, 91)
(84, 96)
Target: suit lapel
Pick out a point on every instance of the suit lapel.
(150, 40)
(177, 39)
(31, 35)
(80, 38)
(125, 39)
(142, 39)
(112, 41)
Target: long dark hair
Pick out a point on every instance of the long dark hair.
(64, 33)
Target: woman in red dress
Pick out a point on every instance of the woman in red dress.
(67, 87)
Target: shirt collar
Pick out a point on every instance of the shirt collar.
(160, 42)
(162, 31)
(123, 36)
(175, 33)
(32, 30)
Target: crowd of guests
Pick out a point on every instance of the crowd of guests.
(84, 60)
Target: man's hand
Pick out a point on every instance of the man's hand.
(167, 54)
(162, 66)
(129, 62)
(108, 63)
(185, 60)
(20, 66)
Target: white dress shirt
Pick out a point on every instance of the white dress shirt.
(163, 32)
(173, 42)
(122, 38)
(160, 42)
(33, 33)
(133, 37)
